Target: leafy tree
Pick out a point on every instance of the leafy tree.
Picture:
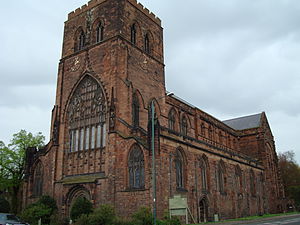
(81, 206)
(290, 172)
(12, 163)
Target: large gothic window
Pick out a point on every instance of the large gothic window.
(136, 168)
(184, 126)
(133, 34)
(86, 117)
(179, 166)
(38, 180)
(99, 33)
(171, 120)
(135, 111)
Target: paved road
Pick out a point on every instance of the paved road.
(288, 221)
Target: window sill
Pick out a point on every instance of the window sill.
(181, 189)
(135, 189)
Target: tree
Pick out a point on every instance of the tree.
(12, 163)
(290, 172)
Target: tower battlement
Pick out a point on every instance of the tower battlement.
(91, 4)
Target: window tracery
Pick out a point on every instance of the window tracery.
(136, 168)
(86, 116)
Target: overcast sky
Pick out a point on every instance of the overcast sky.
(229, 58)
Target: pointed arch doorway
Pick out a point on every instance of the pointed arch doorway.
(203, 210)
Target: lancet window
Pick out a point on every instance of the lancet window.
(136, 168)
(38, 180)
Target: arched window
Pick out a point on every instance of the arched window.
(136, 168)
(220, 176)
(81, 41)
(203, 167)
(184, 126)
(135, 110)
(252, 183)
(179, 164)
(38, 180)
(99, 33)
(86, 116)
(147, 44)
(133, 34)
(171, 120)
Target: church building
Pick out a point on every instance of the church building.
(106, 142)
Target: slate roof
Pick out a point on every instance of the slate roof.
(245, 122)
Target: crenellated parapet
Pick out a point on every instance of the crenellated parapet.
(91, 4)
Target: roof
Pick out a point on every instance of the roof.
(245, 122)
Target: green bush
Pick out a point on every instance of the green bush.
(142, 217)
(4, 205)
(104, 215)
(81, 206)
(34, 212)
(55, 219)
(49, 202)
(170, 221)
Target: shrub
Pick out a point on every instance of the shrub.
(170, 221)
(4, 205)
(81, 206)
(34, 212)
(49, 202)
(104, 215)
(142, 217)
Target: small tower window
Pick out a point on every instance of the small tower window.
(133, 34)
(147, 44)
(81, 41)
(99, 33)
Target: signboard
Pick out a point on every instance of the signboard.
(178, 206)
